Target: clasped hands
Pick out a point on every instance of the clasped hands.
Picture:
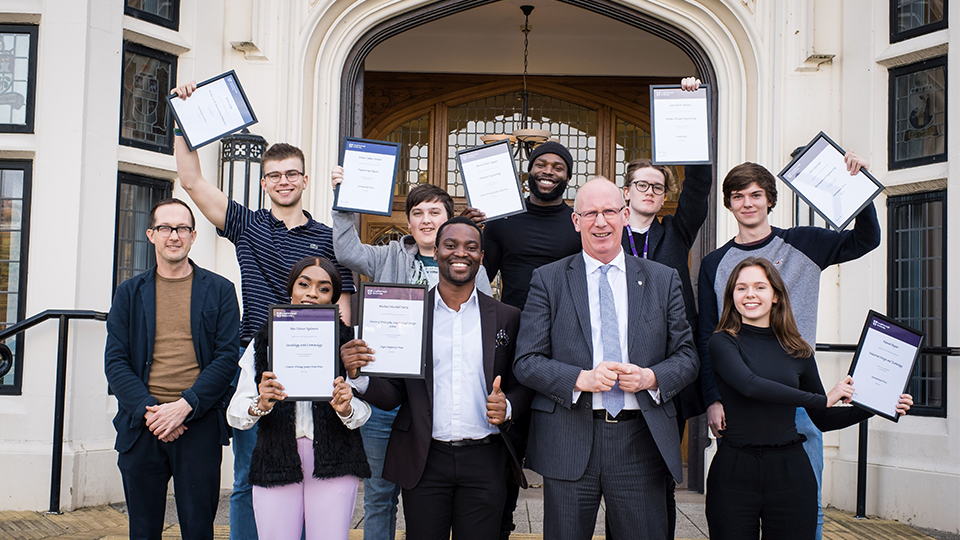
(166, 420)
(601, 378)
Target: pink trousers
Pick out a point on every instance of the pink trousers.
(327, 504)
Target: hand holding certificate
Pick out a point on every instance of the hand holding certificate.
(819, 176)
(303, 350)
(216, 107)
(883, 364)
(680, 124)
(490, 180)
(393, 322)
(369, 174)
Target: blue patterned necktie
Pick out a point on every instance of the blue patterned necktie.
(610, 337)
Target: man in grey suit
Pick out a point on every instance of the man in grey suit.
(604, 341)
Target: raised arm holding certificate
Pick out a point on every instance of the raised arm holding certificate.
(369, 174)
(490, 180)
(883, 364)
(218, 107)
(393, 322)
(304, 343)
(680, 125)
(819, 176)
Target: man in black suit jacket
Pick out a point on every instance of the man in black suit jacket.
(587, 446)
(447, 450)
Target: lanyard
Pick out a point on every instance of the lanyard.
(633, 246)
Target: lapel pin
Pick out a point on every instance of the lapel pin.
(639, 283)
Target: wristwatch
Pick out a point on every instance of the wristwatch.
(257, 411)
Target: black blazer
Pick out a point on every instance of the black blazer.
(413, 427)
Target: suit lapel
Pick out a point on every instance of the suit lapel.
(638, 299)
(488, 336)
(198, 293)
(654, 236)
(577, 284)
(428, 360)
(148, 298)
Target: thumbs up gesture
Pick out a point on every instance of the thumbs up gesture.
(496, 405)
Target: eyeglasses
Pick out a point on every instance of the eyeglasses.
(165, 230)
(275, 177)
(642, 187)
(592, 215)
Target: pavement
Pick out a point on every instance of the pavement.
(110, 522)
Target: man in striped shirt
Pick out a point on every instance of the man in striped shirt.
(268, 244)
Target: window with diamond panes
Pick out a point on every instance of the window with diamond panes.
(918, 114)
(133, 252)
(147, 79)
(911, 18)
(414, 137)
(18, 77)
(573, 125)
(15, 181)
(161, 12)
(917, 288)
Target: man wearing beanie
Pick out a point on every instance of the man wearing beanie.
(516, 245)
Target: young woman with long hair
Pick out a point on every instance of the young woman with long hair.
(761, 478)
(309, 456)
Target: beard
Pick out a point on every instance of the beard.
(549, 196)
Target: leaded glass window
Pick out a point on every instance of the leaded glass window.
(14, 232)
(18, 77)
(573, 125)
(917, 294)
(162, 12)
(910, 18)
(414, 137)
(147, 79)
(633, 142)
(133, 252)
(918, 108)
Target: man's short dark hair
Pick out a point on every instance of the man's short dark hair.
(152, 218)
(281, 151)
(462, 221)
(745, 174)
(429, 193)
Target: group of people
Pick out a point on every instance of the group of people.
(586, 372)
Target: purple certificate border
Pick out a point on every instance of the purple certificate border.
(397, 291)
(307, 313)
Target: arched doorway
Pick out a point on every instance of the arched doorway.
(603, 118)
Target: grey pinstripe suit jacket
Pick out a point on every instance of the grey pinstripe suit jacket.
(554, 344)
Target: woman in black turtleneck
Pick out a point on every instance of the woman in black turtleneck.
(761, 477)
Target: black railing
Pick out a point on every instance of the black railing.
(862, 448)
(6, 363)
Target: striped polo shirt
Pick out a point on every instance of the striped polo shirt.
(266, 251)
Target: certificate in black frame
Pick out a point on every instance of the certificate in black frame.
(386, 289)
(708, 116)
(359, 145)
(871, 317)
(782, 175)
(235, 81)
(272, 314)
(503, 146)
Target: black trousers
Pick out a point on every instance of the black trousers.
(462, 488)
(772, 490)
(193, 461)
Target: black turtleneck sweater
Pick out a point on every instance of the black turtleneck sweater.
(761, 386)
(518, 244)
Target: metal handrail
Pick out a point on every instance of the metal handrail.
(6, 362)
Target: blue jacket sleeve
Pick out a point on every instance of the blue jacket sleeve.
(128, 386)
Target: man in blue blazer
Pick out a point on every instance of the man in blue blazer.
(605, 343)
(171, 373)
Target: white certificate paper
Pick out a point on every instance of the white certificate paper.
(393, 323)
(883, 364)
(217, 108)
(680, 125)
(303, 350)
(490, 180)
(820, 177)
(369, 175)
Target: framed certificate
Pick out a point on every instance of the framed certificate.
(490, 180)
(883, 364)
(217, 108)
(393, 322)
(819, 176)
(304, 350)
(369, 174)
(680, 125)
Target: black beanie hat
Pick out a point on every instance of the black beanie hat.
(552, 147)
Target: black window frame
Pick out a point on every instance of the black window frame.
(896, 37)
(34, 32)
(26, 166)
(136, 48)
(173, 24)
(131, 178)
(893, 203)
(892, 162)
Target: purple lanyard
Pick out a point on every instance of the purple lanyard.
(633, 245)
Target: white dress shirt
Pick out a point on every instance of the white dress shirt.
(617, 278)
(239, 417)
